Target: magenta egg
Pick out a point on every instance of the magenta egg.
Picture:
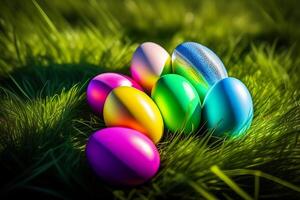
(100, 86)
(122, 156)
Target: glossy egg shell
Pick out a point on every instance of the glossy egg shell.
(132, 108)
(178, 102)
(228, 108)
(122, 156)
(148, 63)
(100, 86)
(197, 63)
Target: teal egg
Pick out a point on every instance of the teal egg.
(228, 108)
(199, 65)
(178, 103)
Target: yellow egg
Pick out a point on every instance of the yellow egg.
(132, 108)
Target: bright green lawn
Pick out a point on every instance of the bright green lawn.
(50, 49)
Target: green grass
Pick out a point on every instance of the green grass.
(50, 49)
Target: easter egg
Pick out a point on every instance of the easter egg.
(122, 156)
(132, 108)
(100, 86)
(199, 65)
(228, 108)
(148, 63)
(178, 102)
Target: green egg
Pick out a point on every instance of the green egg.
(178, 102)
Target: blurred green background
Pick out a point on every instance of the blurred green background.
(49, 50)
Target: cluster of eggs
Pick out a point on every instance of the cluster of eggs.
(176, 92)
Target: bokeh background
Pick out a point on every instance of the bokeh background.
(49, 50)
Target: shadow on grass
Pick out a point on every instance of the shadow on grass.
(57, 160)
(41, 81)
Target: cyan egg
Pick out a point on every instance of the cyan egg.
(100, 86)
(132, 108)
(148, 63)
(122, 156)
(178, 102)
(228, 108)
(197, 63)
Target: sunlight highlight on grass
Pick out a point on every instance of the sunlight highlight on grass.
(51, 49)
(217, 171)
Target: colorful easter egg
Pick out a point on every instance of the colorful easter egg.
(199, 65)
(122, 156)
(148, 63)
(228, 108)
(132, 108)
(100, 86)
(178, 102)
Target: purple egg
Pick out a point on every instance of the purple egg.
(122, 156)
(101, 85)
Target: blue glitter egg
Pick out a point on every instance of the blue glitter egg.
(228, 108)
(199, 65)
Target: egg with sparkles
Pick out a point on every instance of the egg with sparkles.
(132, 108)
(100, 86)
(122, 156)
(148, 63)
(178, 102)
(197, 63)
(228, 108)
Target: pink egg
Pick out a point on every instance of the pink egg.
(148, 63)
(122, 156)
(100, 86)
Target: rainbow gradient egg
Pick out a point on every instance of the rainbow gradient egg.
(148, 63)
(132, 108)
(228, 108)
(178, 102)
(122, 156)
(197, 63)
(100, 86)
